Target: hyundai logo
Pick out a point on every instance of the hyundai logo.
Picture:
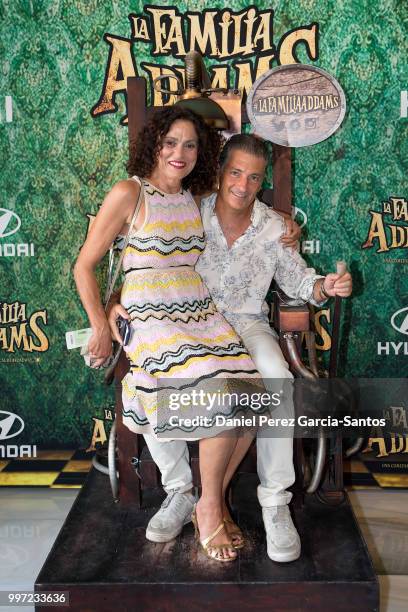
(10, 222)
(10, 425)
(301, 217)
(399, 321)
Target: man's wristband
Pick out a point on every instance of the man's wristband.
(323, 292)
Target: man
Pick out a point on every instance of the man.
(243, 254)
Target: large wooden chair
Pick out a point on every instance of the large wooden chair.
(136, 469)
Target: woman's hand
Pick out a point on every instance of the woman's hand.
(114, 311)
(292, 233)
(100, 346)
(334, 284)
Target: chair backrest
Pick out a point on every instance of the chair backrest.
(281, 195)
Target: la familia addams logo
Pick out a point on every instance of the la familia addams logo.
(385, 236)
(20, 331)
(245, 37)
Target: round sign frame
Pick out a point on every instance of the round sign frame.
(284, 129)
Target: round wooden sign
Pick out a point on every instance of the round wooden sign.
(296, 105)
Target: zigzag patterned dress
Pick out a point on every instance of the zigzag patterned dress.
(177, 332)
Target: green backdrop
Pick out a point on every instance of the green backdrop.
(57, 161)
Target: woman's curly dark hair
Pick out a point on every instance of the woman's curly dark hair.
(143, 153)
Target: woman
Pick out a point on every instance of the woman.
(177, 332)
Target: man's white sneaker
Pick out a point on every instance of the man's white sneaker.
(174, 513)
(282, 539)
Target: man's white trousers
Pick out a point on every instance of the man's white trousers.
(274, 454)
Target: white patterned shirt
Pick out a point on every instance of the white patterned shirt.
(239, 278)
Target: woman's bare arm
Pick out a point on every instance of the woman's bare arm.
(116, 210)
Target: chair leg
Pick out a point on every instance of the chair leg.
(331, 490)
(298, 461)
(130, 489)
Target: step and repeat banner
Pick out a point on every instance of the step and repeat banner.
(63, 143)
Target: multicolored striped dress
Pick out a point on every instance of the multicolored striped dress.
(178, 336)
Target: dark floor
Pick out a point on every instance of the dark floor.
(102, 549)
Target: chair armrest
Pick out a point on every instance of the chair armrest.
(289, 314)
